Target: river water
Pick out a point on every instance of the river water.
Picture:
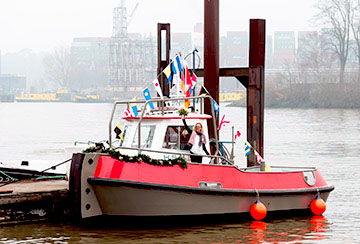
(325, 138)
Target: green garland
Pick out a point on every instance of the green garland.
(183, 112)
(139, 158)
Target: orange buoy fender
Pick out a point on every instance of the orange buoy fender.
(318, 206)
(258, 210)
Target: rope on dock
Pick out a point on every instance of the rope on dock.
(15, 180)
(8, 176)
(51, 177)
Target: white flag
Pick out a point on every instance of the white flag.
(158, 88)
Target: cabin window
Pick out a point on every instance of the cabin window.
(176, 137)
(125, 130)
(147, 135)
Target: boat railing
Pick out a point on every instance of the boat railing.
(162, 107)
(181, 154)
(279, 169)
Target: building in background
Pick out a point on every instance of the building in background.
(181, 43)
(90, 62)
(198, 42)
(12, 84)
(284, 48)
(308, 42)
(269, 52)
(26, 63)
(237, 49)
(132, 56)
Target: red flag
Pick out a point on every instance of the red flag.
(237, 135)
(193, 79)
(188, 82)
(223, 122)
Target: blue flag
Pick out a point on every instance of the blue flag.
(173, 68)
(216, 108)
(134, 109)
(169, 79)
(247, 149)
(148, 97)
(177, 60)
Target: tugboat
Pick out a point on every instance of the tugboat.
(150, 173)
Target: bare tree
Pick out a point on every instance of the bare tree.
(57, 66)
(355, 27)
(312, 62)
(288, 73)
(336, 17)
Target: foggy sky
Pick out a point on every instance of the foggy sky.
(41, 25)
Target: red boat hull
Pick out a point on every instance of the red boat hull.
(103, 185)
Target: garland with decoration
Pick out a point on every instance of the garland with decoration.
(139, 158)
(183, 112)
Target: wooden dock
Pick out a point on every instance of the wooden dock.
(26, 201)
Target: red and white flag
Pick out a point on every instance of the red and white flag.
(158, 88)
(193, 79)
(259, 159)
(223, 122)
(128, 113)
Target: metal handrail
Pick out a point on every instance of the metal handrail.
(162, 102)
(177, 153)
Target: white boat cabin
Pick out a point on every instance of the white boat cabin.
(164, 134)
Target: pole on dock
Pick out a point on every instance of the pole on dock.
(163, 50)
(211, 56)
(255, 89)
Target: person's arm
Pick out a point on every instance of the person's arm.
(186, 126)
(205, 150)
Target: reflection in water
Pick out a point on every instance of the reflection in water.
(295, 229)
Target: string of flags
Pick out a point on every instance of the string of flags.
(184, 82)
(248, 148)
(134, 107)
(158, 88)
(177, 72)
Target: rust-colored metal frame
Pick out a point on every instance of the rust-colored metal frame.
(163, 63)
(252, 77)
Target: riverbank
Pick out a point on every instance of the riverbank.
(324, 95)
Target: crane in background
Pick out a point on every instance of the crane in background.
(132, 58)
(121, 20)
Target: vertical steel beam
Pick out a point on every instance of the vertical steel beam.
(163, 51)
(211, 55)
(255, 89)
